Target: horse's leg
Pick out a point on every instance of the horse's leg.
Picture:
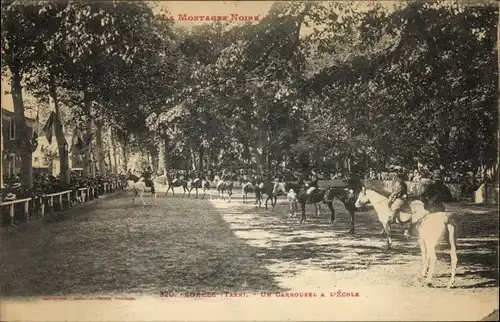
(196, 193)
(432, 263)
(189, 192)
(303, 205)
(268, 197)
(230, 193)
(351, 215)
(387, 228)
(453, 252)
(423, 250)
(153, 195)
(133, 196)
(141, 195)
(332, 212)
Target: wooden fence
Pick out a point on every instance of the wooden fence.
(39, 205)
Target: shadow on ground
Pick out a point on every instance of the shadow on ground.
(316, 243)
(113, 247)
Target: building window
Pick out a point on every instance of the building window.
(12, 129)
(12, 164)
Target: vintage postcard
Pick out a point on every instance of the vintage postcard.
(249, 161)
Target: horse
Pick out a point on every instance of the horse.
(172, 183)
(196, 184)
(223, 186)
(249, 186)
(265, 186)
(282, 188)
(384, 213)
(138, 185)
(317, 197)
(432, 227)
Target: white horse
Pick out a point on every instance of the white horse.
(431, 228)
(384, 213)
(138, 185)
(222, 186)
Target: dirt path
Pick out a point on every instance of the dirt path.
(315, 258)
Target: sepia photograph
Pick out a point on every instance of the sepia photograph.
(249, 160)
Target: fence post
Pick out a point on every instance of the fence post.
(26, 210)
(11, 209)
(51, 204)
(42, 205)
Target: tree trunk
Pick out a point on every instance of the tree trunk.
(22, 130)
(202, 155)
(110, 162)
(498, 127)
(62, 144)
(166, 151)
(193, 159)
(114, 165)
(100, 148)
(88, 134)
(269, 165)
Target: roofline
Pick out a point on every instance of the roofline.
(8, 113)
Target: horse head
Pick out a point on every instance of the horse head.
(362, 199)
(418, 210)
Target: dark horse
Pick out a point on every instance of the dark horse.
(347, 196)
(196, 184)
(265, 186)
(318, 196)
(172, 183)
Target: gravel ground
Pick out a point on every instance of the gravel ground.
(109, 247)
(113, 248)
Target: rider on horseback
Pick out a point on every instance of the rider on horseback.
(353, 187)
(313, 185)
(397, 198)
(148, 180)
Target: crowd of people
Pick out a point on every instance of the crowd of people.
(45, 184)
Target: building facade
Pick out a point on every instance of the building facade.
(11, 147)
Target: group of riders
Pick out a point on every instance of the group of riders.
(433, 197)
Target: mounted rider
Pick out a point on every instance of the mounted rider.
(436, 194)
(353, 188)
(226, 175)
(312, 186)
(147, 175)
(398, 198)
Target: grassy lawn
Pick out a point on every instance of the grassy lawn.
(113, 247)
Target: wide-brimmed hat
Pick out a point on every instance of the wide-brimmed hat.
(10, 196)
(16, 185)
(436, 174)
